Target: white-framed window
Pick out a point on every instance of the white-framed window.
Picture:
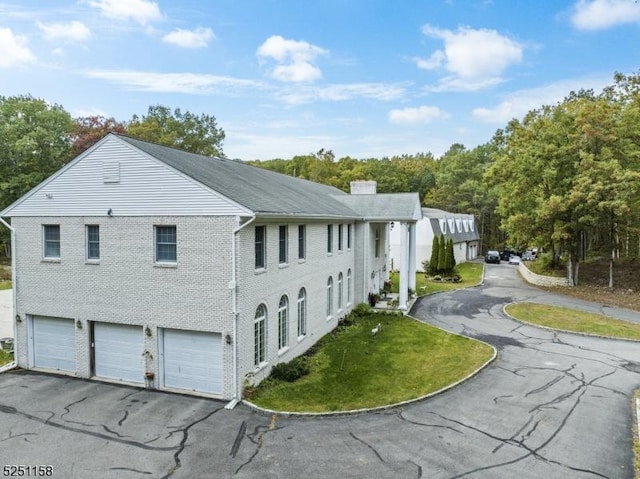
(340, 292)
(376, 246)
(302, 241)
(260, 246)
(329, 239)
(349, 286)
(340, 238)
(349, 236)
(283, 323)
(93, 242)
(329, 297)
(302, 313)
(283, 244)
(166, 244)
(51, 241)
(260, 335)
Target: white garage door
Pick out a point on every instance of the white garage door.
(118, 352)
(192, 360)
(54, 343)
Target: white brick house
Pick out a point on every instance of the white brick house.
(147, 265)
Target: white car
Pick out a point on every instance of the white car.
(514, 260)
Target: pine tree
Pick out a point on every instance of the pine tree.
(435, 252)
(442, 255)
(451, 258)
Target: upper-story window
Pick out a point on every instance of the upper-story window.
(166, 244)
(302, 241)
(329, 238)
(51, 236)
(261, 246)
(283, 244)
(93, 242)
(376, 247)
(349, 236)
(340, 238)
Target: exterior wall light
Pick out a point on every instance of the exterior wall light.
(147, 331)
(78, 324)
(18, 318)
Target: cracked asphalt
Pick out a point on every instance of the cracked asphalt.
(552, 405)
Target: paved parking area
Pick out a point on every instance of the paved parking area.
(552, 405)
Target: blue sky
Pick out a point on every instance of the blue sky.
(363, 78)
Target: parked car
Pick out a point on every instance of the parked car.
(508, 253)
(528, 256)
(492, 257)
(514, 260)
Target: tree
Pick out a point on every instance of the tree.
(186, 131)
(435, 255)
(34, 141)
(88, 130)
(451, 258)
(442, 255)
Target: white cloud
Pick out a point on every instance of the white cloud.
(517, 104)
(14, 49)
(190, 83)
(474, 56)
(346, 92)
(72, 31)
(602, 14)
(421, 114)
(451, 83)
(198, 38)
(141, 11)
(294, 59)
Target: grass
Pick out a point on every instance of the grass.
(471, 274)
(353, 369)
(5, 285)
(5, 357)
(557, 317)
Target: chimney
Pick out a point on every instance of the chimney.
(364, 187)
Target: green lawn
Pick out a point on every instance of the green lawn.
(557, 317)
(471, 274)
(5, 285)
(5, 357)
(353, 369)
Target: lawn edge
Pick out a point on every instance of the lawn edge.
(355, 412)
(577, 333)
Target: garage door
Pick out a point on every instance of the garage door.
(118, 352)
(192, 360)
(54, 343)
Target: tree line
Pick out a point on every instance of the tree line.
(565, 178)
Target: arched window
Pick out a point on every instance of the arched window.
(329, 297)
(348, 287)
(260, 335)
(283, 326)
(302, 313)
(340, 292)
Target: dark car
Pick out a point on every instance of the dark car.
(492, 257)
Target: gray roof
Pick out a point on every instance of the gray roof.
(385, 206)
(434, 215)
(262, 191)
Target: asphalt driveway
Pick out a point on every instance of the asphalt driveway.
(552, 405)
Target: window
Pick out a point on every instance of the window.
(166, 244)
(329, 297)
(302, 241)
(377, 243)
(261, 245)
(93, 242)
(329, 238)
(260, 335)
(348, 236)
(340, 292)
(283, 244)
(51, 241)
(349, 286)
(302, 312)
(283, 326)
(340, 236)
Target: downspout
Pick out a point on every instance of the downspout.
(233, 285)
(14, 363)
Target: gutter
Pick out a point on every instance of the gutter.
(233, 286)
(14, 284)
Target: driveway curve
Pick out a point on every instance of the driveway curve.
(553, 405)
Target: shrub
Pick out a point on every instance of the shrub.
(291, 371)
(361, 310)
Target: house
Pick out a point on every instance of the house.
(459, 227)
(147, 265)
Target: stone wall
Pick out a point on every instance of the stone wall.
(540, 280)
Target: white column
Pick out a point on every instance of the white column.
(412, 256)
(404, 267)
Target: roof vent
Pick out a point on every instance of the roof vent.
(364, 187)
